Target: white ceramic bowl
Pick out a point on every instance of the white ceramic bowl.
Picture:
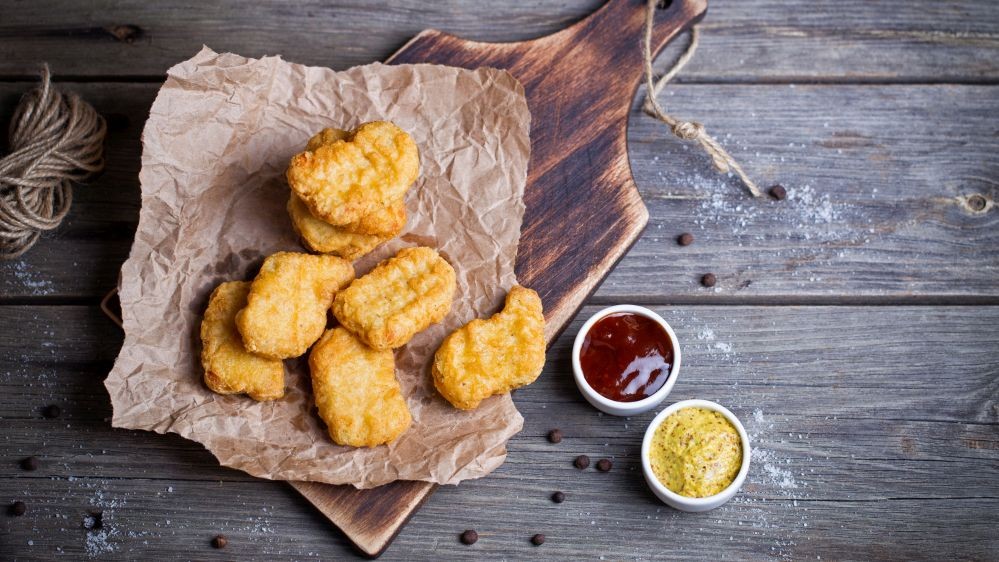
(613, 407)
(683, 503)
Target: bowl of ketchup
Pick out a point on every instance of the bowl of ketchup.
(625, 360)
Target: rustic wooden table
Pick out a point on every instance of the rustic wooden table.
(854, 327)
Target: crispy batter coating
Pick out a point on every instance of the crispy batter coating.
(328, 135)
(356, 391)
(229, 367)
(286, 308)
(495, 356)
(344, 180)
(319, 236)
(401, 297)
(385, 220)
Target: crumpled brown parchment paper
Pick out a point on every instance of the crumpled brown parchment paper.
(215, 149)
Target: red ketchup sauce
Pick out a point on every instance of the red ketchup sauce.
(626, 357)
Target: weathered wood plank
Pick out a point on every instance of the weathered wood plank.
(891, 193)
(879, 180)
(176, 519)
(861, 418)
(852, 40)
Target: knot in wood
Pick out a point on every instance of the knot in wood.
(977, 202)
(126, 33)
(688, 130)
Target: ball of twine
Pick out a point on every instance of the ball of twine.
(55, 139)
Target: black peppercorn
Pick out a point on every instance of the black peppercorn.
(555, 436)
(51, 411)
(778, 192)
(538, 539)
(685, 239)
(18, 508)
(558, 497)
(469, 537)
(709, 280)
(604, 465)
(220, 541)
(30, 463)
(581, 462)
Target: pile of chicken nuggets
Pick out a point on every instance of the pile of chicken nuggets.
(347, 197)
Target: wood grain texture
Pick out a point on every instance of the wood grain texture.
(877, 174)
(868, 447)
(371, 519)
(763, 40)
(583, 210)
(893, 407)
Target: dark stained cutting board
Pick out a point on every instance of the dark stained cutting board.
(583, 209)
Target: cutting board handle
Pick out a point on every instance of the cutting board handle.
(603, 49)
(610, 39)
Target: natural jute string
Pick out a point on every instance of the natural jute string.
(686, 130)
(55, 140)
(106, 308)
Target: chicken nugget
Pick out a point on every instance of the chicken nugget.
(229, 367)
(328, 135)
(494, 356)
(342, 181)
(356, 391)
(319, 236)
(384, 220)
(286, 307)
(400, 297)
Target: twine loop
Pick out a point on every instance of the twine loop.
(686, 130)
(55, 139)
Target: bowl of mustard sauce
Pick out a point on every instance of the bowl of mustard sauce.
(695, 455)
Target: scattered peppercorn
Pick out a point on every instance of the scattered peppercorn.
(555, 436)
(538, 539)
(469, 537)
(778, 192)
(604, 465)
(30, 463)
(558, 497)
(709, 280)
(581, 462)
(94, 521)
(51, 411)
(220, 541)
(18, 508)
(685, 239)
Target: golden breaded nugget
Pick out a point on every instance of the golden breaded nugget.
(495, 356)
(356, 391)
(229, 367)
(384, 220)
(399, 298)
(319, 236)
(328, 135)
(286, 308)
(347, 179)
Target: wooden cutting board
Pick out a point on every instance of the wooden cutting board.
(583, 209)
